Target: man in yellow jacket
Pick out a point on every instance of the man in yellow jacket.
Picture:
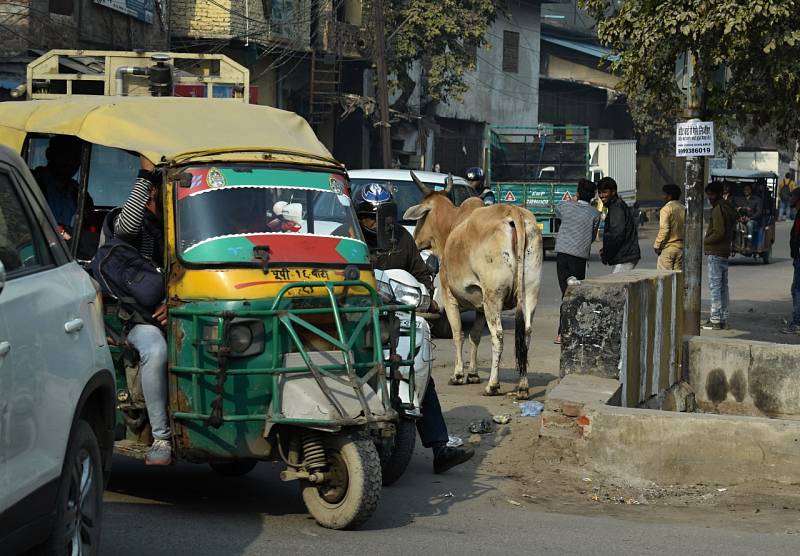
(669, 241)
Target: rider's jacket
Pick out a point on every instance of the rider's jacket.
(404, 256)
(794, 237)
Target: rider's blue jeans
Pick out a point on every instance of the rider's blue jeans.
(431, 426)
(796, 293)
(149, 341)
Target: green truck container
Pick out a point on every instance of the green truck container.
(538, 168)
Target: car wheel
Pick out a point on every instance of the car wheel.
(76, 529)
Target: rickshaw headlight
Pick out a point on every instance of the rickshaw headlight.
(241, 338)
(246, 338)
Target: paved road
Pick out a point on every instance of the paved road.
(190, 510)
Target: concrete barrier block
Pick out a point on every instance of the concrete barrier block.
(742, 377)
(626, 326)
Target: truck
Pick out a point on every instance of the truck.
(537, 168)
(616, 159)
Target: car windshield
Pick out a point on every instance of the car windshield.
(229, 214)
(407, 194)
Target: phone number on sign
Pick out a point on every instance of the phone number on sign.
(694, 150)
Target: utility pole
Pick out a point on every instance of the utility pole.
(695, 193)
(383, 87)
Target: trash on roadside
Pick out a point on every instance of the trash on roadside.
(502, 419)
(529, 496)
(454, 441)
(448, 495)
(721, 489)
(484, 426)
(586, 480)
(513, 502)
(531, 408)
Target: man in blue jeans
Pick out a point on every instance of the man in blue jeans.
(717, 246)
(794, 249)
(139, 223)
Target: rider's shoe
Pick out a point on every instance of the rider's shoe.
(791, 329)
(708, 325)
(160, 453)
(445, 457)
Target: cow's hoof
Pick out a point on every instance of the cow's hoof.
(492, 390)
(523, 394)
(473, 378)
(456, 380)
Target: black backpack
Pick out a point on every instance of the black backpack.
(127, 276)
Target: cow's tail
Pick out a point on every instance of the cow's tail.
(520, 339)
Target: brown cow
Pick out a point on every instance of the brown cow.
(491, 260)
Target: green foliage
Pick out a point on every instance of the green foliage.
(754, 44)
(439, 34)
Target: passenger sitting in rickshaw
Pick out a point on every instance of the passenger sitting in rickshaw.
(749, 207)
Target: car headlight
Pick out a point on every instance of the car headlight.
(406, 295)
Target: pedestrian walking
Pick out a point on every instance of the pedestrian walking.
(717, 246)
(620, 237)
(794, 250)
(671, 221)
(579, 224)
(785, 188)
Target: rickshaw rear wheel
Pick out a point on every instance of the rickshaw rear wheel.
(350, 495)
(233, 468)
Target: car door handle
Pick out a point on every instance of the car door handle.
(72, 326)
(5, 347)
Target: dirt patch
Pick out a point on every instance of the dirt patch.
(546, 475)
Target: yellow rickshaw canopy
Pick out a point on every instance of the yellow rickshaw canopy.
(165, 128)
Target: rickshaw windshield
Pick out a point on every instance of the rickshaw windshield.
(228, 214)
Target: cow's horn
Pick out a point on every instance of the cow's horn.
(422, 187)
(448, 183)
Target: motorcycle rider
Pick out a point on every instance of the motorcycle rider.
(477, 180)
(405, 255)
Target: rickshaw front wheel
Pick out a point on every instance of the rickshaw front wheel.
(349, 496)
(235, 468)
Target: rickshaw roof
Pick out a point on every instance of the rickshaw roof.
(742, 174)
(167, 128)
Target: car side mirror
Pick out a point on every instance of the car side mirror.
(433, 264)
(2, 276)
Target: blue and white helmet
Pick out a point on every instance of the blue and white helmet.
(475, 174)
(370, 197)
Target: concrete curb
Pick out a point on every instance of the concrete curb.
(668, 447)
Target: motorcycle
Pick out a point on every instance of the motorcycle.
(396, 286)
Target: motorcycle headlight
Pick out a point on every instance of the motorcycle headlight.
(385, 292)
(407, 295)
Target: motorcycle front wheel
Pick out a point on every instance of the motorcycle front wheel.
(396, 457)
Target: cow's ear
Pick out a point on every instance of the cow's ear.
(416, 212)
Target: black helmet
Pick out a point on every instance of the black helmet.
(475, 174)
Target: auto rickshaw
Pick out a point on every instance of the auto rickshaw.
(276, 332)
(755, 233)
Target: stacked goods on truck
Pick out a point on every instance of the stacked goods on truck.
(616, 159)
(538, 168)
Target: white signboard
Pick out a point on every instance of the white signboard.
(694, 139)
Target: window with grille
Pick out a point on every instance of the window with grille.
(511, 51)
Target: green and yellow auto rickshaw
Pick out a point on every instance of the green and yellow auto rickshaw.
(276, 333)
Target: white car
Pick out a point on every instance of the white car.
(406, 193)
(56, 382)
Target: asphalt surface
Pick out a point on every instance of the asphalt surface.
(188, 509)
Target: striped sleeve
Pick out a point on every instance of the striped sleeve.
(129, 222)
